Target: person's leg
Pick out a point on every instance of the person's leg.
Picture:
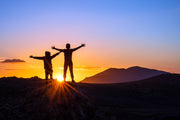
(71, 71)
(46, 75)
(51, 75)
(65, 70)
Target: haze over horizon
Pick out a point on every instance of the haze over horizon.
(117, 33)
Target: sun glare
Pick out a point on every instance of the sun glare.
(60, 78)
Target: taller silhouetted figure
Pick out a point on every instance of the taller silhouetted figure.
(68, 59)
(47, 63)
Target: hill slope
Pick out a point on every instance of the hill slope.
(137, 93)
(155, 98)
(33, 99)
(114, 75)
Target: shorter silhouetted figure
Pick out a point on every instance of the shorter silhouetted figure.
(47, 63)
(68, 59)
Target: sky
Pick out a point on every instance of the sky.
(117, 33)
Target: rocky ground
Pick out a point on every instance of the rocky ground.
(32, 99)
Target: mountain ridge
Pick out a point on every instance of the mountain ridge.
(119, 75)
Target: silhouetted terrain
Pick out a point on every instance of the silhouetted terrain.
(155, 98)
(32, 99)
(115, 75)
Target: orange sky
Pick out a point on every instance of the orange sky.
(88, 61)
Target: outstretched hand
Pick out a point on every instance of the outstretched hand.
(83, 45)
(31, 56)
(53, 47)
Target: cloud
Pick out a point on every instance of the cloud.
(1, 58)
(12, 69)
(13, 61)
(83, 68)
(88, 67)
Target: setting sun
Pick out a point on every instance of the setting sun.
(60, 78)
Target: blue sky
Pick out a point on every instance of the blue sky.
(138, 29)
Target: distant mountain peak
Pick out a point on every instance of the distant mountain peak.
(119, 75)
(110, 69)
(135, 67)
(138, 68)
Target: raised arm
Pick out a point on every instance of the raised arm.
(55, 55)
(82, 45)
(39, 58)
(53, 47)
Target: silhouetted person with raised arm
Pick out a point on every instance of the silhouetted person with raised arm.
(47, 63)
(68, 59)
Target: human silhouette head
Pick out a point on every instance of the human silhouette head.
(68, 46)
(47, 53)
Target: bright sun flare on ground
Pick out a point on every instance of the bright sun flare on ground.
(60, 78)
